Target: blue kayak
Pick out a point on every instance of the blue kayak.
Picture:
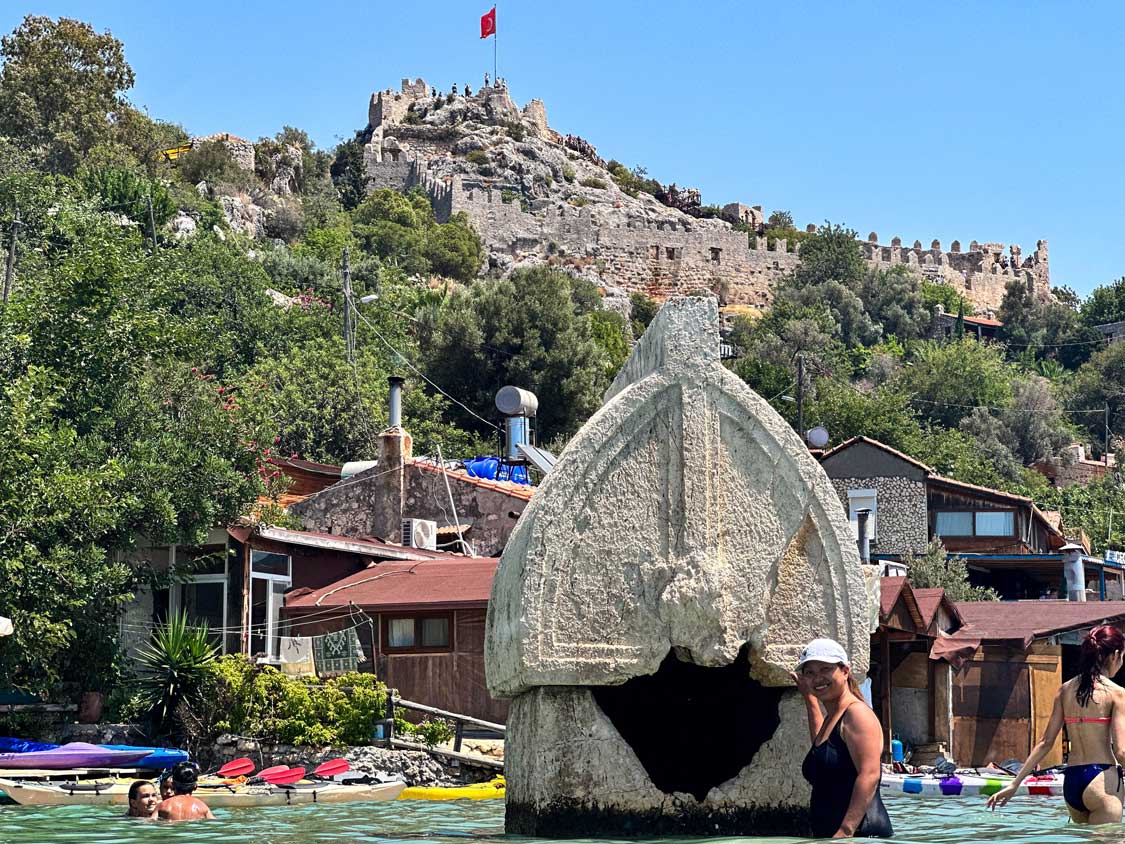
(158, 758)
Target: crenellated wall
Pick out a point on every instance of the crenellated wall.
(678, 254)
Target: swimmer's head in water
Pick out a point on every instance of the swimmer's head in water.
(142, 799)
(184, 777)
(166, 787)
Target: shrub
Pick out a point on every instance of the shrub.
(594, 182)
(261, 702)
(477, 157)
(211, 162)
(286, 223)
(486, 170)
(172, 666)
(434, 732)
(515, 130)
(568, 174)
(507, 196)
(124, 192)
(633, 181)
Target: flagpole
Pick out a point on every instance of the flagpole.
(495, 38)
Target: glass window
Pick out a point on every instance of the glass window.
(203, 604)
(400, 633)
(263, 562)
(207, 559)
(996, 523)
(954, 524)
(435, 632)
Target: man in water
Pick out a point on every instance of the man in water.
(142, 800)
(182, 806)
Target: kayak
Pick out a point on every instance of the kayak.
(216, 795)
(158, 758)
(494, 789)
(77, 754)
(967, 785)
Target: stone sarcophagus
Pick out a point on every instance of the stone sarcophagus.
(653, 598)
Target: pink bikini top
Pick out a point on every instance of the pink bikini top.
(1087, 720)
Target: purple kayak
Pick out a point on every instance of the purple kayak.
(77, 754)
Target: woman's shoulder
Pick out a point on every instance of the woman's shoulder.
(859, 716)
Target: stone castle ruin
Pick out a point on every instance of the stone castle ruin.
(547, 198)
(654, 596)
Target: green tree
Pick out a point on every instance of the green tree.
(59, 84)
(347, 170)
(936, 569)
(948, 380)
(1098, 383)
(1105, 304)
(608, 328)
(526, 330)
(642, 309)
(832, 254)
(894, 302)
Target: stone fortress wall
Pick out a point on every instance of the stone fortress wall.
(680, 255)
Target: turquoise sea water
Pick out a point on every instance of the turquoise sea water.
(1030, 821)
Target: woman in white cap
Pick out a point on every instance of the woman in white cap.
(843, 764)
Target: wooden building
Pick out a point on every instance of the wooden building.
(1007, 664)
(427, 627)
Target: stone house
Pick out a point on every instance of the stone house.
(1075, 467)
(1008, 542)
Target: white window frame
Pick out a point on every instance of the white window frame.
(855, 495)
(274, 602)
(176, 595)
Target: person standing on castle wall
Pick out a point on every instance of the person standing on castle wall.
(433, 93)
(486, 79)
(455, 89)
(468, 90)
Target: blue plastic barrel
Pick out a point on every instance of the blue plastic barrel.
(896, 750)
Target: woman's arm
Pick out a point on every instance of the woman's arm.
(1117, 725)
(812, 706)
(1050, 735)
(863, 735)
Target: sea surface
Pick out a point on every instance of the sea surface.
(1031, 820)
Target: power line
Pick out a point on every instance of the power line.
(421, 374)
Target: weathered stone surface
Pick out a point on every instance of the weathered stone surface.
(244, 216)
(182, 225)
(685, 523)
(571, 774)
(686, 513)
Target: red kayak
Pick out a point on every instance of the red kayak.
(77, 754)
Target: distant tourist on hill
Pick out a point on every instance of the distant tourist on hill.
(843, 764)
(1092, 707)
(182, 806)
(143, 800)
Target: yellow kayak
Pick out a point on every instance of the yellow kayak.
(477, 791)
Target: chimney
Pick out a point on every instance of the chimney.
(863, 540)
(396, 401)
(396, 452)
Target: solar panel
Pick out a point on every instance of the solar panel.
(540, 458)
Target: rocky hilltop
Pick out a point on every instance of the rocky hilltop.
(537, 196)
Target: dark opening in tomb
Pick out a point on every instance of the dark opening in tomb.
(693, 727)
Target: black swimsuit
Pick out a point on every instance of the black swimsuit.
(829, 769)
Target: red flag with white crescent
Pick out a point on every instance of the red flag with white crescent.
(488, 23)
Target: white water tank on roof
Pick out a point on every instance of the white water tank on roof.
(512, 401)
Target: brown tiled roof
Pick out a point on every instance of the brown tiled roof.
(454, 581)
(1019, 623)
(977, 320)
(929, 600)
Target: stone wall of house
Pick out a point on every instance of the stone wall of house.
(902, 517)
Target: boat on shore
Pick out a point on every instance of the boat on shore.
(491, 790)
(967, 784)
(217, 795)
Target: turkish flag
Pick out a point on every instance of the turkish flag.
(488, 23)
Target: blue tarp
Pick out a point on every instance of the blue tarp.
(491, 469)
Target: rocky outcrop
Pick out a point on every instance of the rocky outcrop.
(243, 216)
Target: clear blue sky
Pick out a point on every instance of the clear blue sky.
(989, 121)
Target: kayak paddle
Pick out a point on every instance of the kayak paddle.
(271, 772)
(236, 768)
(286, 777)
(332, 767)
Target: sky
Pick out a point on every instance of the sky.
(996, 122)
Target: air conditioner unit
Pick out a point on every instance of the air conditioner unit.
(419, 533)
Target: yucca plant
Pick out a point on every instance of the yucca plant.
(171, 666)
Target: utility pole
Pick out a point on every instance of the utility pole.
(10, 269)
(151, 221)
(801, 395)
(349, 329)
(1106, 456)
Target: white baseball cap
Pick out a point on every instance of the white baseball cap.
(824, 650)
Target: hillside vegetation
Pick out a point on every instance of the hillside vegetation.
(154, 355)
